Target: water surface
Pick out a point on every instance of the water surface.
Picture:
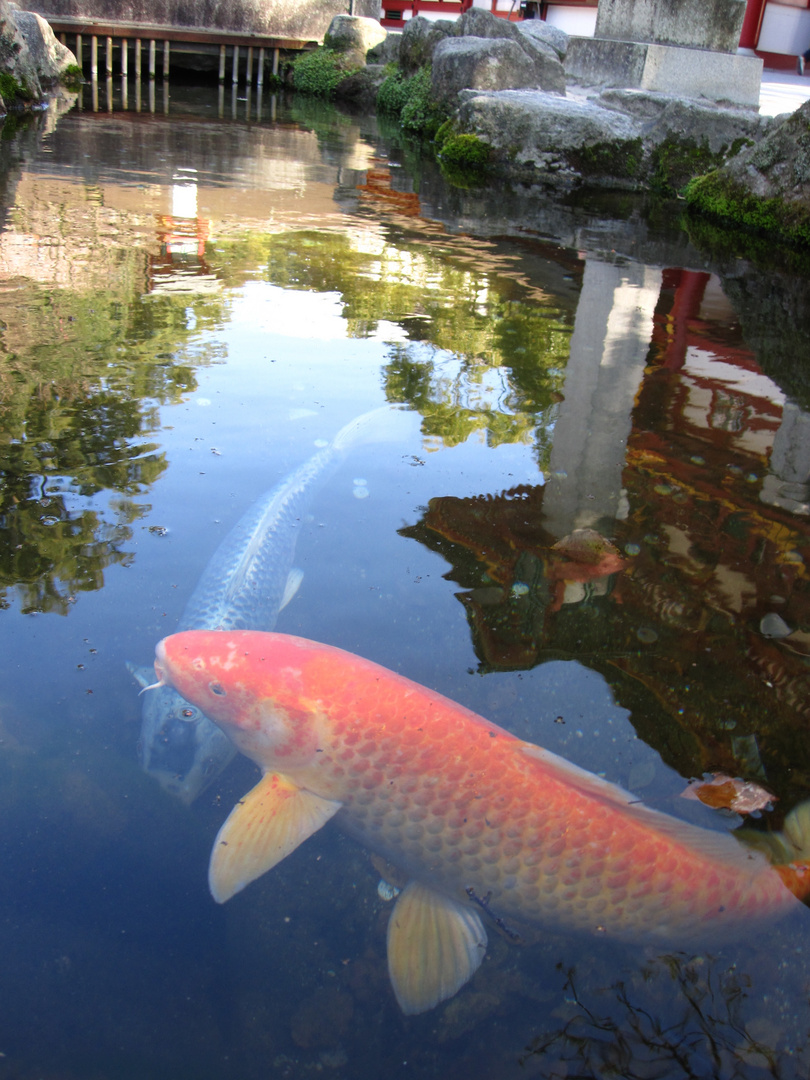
(192, 300)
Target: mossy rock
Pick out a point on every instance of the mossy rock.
(728, 201)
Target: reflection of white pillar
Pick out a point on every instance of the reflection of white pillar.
(786, 484)
(609, 345)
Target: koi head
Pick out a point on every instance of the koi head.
(248, 685)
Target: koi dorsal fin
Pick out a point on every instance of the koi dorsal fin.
(262, 829)
(435, 944)
(578, 777)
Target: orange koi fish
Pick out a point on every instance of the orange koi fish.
(485, 826)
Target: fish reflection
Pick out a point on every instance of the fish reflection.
(247, 582)
(487, 827)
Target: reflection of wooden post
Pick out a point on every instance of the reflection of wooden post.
(94, 58)
(235, 65)
(275, 62)
(152, 60)
(138, 68)
(166, 48)
(260, 72)
(222, 63)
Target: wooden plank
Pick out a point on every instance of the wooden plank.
(191, 34)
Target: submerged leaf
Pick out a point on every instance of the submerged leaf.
(723, 792)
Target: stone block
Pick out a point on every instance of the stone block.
(694, 24)
(688, 73)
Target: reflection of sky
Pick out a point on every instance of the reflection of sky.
(305, 315)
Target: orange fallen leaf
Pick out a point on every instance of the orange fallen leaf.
(724, 792)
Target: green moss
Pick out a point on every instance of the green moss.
(318, 72)
(411, 99)
(71, 77)
(393, 94)
(12, 91)
(621, 159)
(726, 201)
(465, 152)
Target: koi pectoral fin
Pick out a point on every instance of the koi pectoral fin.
(264, 827)
(435, 944)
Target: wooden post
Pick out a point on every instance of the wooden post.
(152, 48)
(138, 67)
(275, 62)
(235, 64)
(249, 71)
(166, 48)
(124, 58)
(260, 72)
(94, 62)
(108, 58)
(222, 63)
(63, 39)
(79, 49)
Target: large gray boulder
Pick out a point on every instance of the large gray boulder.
(479, 64)
(352, 36)
(419, 40)
(624, 138)
(542, 34)
(48, 56)
(547, 134)
(778, 167)
(496, 63)
(29, 52)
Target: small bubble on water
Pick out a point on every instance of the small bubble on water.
(520, 588)
(360, 492)
(696, 459)
(663, 489)
(321, 443)
(646, 635)
(631, 549)
(202, 402)
(728, 725)
(49, 520)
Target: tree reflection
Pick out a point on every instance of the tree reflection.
(682, 1018)
(81, 379)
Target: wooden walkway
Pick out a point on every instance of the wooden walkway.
(116, 40)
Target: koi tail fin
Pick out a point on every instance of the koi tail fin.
(788, 850)
(796, 838)
(378, 426)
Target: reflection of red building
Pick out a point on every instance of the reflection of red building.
(182, 253)
(708, 555)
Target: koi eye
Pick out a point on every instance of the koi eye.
(217, 688)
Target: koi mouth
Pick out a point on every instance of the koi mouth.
(160, 669)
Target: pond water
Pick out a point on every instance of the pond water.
(194, 301)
